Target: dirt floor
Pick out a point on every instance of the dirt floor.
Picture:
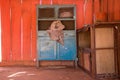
(44, 73)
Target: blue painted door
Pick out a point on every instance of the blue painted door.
(68, 51)
(47, 49)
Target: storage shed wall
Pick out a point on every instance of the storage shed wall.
(18, 25)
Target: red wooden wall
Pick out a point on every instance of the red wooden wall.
(19, 24)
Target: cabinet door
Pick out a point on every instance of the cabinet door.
(47, 49)
(105, 51)
(68, 51)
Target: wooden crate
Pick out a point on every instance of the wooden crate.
(102, 41)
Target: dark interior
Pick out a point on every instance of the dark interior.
(46, 13)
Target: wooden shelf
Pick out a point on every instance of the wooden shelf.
(102, 23)
(52, 19)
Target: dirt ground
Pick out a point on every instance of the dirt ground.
(44, 73)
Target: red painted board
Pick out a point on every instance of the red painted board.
(56, 1)
(105, 6)
(116, 11)
(68, 1)
(88, 12)
(6, 38)
(16, 29)
(44, 2)
(96, 8)
(111, 4)
(79, 14)
(26, 29)
(0, 34)
(34, 30)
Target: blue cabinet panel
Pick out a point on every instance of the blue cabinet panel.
(68, 51)
(47, 49)
(51, 50)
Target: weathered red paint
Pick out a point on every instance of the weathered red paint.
(117, 10)
(16, 29)
(45, 2)
(79, 13)
(96, 6)
(26, 16)
(111, 10)
(6, 37)
(33, 30)
(88, 12)
(19, 40)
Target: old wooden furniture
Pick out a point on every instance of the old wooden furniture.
(50, 50)
(98, 49)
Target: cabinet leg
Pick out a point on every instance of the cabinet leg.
(37, 64)
(75, 64)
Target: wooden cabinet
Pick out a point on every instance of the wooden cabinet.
(98, 49)
(84, 48)
(49, 49)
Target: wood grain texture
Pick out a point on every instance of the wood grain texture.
(105, 61)
(16, 29)
(104, 37)
(0, 35)
(6, 37)
(26, 16)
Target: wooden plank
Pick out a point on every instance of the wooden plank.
(57, 63)
(105, 6)
(68, 1)
(96, 9)
(45, 2)
(26, 16)
(5, 17)
(56, 2)
(116, 11)
(96, 6)
(88, 12)
(34, 30)
(0, 35)
(80, 59)
(111, 10)
(104, 37)
(87, 61)
(79, 14)
(93, 55)
(16, 29)
(118, 54)
(17, 63)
